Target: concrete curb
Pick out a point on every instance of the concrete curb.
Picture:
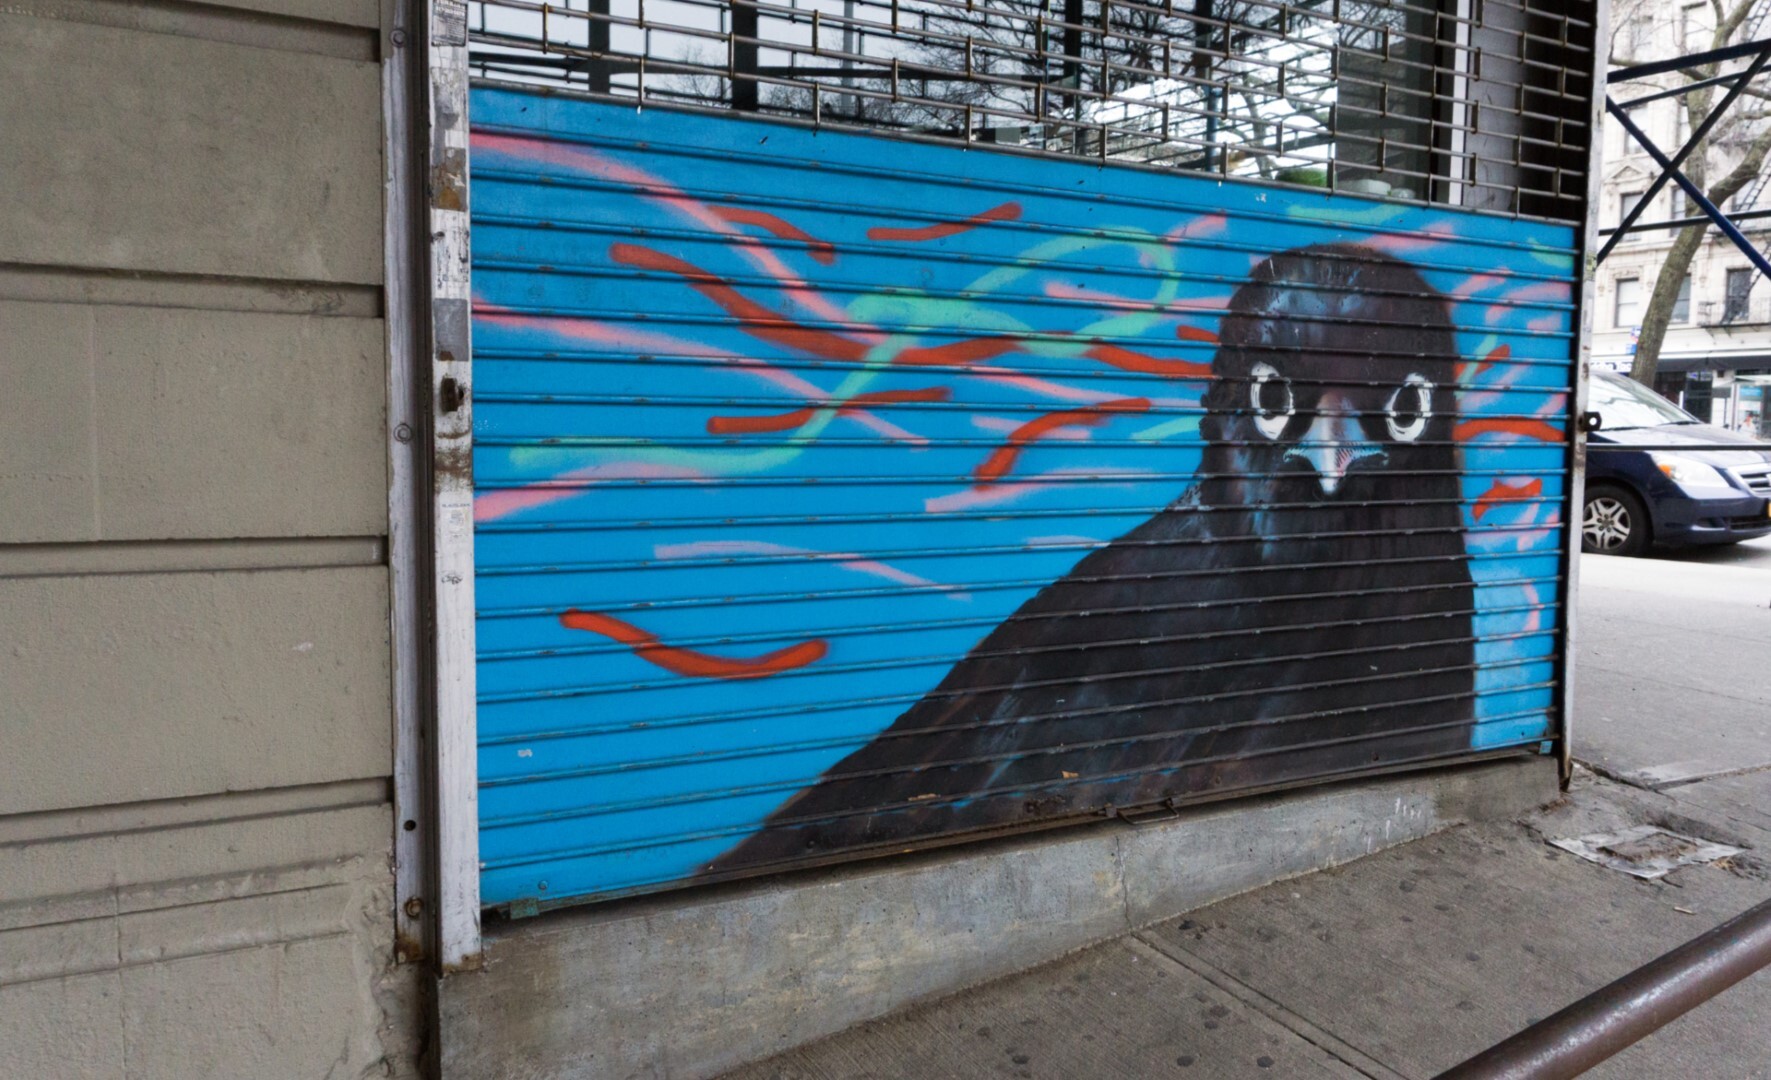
(687, 985)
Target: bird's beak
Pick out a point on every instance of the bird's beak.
(1334, 442)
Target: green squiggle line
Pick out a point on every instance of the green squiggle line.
(1560, 261)
(724, 462)
(1185, 425)
(1376, 215)
(905, 310)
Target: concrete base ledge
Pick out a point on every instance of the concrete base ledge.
(687, 985)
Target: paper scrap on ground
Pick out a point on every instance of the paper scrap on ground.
(1645, 851)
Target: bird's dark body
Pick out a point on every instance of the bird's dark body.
(1256, 631)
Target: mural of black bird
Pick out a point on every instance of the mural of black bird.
(1303, 610)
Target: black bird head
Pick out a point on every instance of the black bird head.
(1336, 366)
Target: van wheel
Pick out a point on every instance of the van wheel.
(1614, 523)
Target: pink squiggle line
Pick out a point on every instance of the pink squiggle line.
(1545, 322)
(1215, 302)
(671, 196)
(1059, 290)
(1194, 228)
(1396, 243)
(1533, 621)
(1008, 377)
(1556, 291)
(1063, 540)
(651, 341)
(861, 416)
(994, 494)
(1477, 399)
(1476, 283)
(847, 560)
(1531, 537)
(584, 329)
(1402, 245)
(494, 505)
(1504, 375)
(1071, 432)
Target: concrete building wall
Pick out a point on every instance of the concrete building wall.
(195, 820)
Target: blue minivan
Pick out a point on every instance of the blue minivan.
(1708, 486)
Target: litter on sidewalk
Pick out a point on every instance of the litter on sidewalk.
(1645, 851)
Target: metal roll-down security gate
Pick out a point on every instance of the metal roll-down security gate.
(1090, 410)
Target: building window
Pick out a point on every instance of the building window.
(1682, 306)
(1629, 302)
(1692, 36)
(1626, 201)
(1740, 289)
(1639, 34)
(1680, 203)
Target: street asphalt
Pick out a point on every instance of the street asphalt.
(1405, 962)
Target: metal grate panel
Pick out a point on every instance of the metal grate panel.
(1474, 103)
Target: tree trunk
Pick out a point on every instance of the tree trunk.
(1659, 312)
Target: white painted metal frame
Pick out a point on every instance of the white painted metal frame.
(1460, 108)
(1577, 463)
(458, 841)
(414, 825)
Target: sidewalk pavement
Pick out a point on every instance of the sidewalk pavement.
(1398, 965)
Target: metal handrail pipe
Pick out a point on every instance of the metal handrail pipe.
(1622, 1013)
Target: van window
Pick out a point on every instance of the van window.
(1623, 404)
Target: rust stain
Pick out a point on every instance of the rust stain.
(448, 181)
(453, 461)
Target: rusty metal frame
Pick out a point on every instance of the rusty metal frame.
(407, 469)
(451, 419)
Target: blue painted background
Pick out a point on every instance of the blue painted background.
(853, 554)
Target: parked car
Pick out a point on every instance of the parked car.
(1708, 486)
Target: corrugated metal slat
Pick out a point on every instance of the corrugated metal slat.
(836, 492)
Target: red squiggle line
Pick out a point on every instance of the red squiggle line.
(1498, 493)
(1194, 333)
(655, 188)
(959, 353)
(1008, 211)
(1535, 429)
(759, 321)
(1003, 458)
(743, 425)
(1128, 360)
(1499, 355)
(686, 662)
(822, 250)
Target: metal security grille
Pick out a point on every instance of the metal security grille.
(837, 494)
(1473, 103)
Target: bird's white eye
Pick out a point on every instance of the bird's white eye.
(1410, 407)
(1269, 397)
